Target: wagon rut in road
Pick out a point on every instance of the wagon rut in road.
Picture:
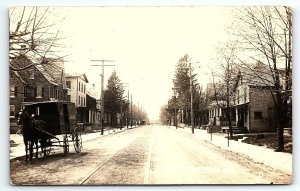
(124, 167)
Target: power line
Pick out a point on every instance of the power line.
(102, 92)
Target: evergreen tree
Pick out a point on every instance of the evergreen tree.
(113, 97)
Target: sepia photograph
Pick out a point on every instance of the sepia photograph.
(150, 95)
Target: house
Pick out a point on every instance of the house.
(44, 82)
(76, 84)
(251, 102)
(254, 104)
(16, 98)
(93, 109)
(216, 108)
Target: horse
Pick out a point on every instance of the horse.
(31, 131)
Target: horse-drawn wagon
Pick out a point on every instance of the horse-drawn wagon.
(49, 124)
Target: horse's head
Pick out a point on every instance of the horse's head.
(23, 116)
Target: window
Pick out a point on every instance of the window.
(84, 89)
(12, 91)
(57, 94)
(79, 86)
(84, 101)
(81, 101)
(12, 112)
(35, 92)
(43, 92)
(26, 91)
(78, 100)
(31, 74)
(68, 97)
(68, 84)
(51, 92)
(258, 115)
(39, 92)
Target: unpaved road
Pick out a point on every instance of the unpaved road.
(144, 155)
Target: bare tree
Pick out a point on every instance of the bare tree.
(266, 34)
(223, 94)
(31, 35)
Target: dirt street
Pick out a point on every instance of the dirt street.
(144, 155)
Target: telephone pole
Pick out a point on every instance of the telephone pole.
(131, 111)
(102, 90)
(127, 120)
(191, 89)
(121, 116)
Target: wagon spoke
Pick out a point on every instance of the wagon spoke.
(77, 141)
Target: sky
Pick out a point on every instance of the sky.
(145, 44)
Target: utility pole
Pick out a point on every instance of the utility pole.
(127, 120)
(102, 92)
(175, 112)
(131, 111)
(191, 89)
(121, 116)
(175, 99)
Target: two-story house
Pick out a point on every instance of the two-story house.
(253, 101)
(76, 84)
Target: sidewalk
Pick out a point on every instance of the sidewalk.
(17, 147)
(277, 160)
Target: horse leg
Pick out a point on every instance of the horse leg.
(45, 148)
(36, 148)
(26, 150)
(31, 150)
(44, 143)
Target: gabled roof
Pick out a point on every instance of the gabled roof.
(259, 75)
(74, 75)
(53, 70)
(46, 74)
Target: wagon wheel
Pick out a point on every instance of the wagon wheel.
(47, 150)
(66, 145)
(77, 141)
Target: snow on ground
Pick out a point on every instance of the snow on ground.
(277, 160)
